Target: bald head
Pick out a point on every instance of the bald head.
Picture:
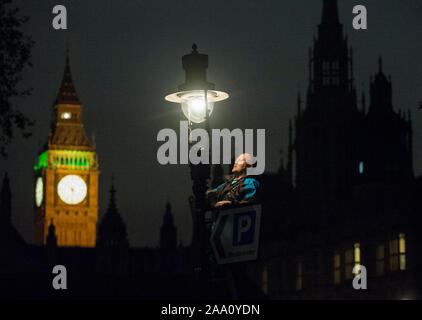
(245, 160)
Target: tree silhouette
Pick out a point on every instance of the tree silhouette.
(15, 54)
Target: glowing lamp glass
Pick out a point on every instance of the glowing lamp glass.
(193, 103)
(193, 108)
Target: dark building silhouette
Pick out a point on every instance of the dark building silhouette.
(353, 200)
(112, 229)
(388, 154)
(14, 254)
(327, 130)
(112, 270)
(51, 236)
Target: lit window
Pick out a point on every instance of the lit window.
(351, 259)
(398, 253)
(402, 251)
(299, 278)
(380, 260)
(265, 280)
(357, 254)
(66, 115)
(361, 167)
(337, 268)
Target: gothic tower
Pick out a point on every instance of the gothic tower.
(326, 132)
(388, 152)
(112, 229)
(66, 174)
(51, 240)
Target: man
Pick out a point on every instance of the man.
(239, 189)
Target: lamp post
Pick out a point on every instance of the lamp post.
(197, 97)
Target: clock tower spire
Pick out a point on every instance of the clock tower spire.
(66, 174)
(67, 93)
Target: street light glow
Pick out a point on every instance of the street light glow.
(194, 109)
(193, 103)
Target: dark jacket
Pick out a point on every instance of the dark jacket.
(238, 191)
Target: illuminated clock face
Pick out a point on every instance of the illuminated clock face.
(39, 191)
(72, 189)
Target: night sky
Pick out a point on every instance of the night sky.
(126, 56)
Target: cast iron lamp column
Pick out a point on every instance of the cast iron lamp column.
(197, 97)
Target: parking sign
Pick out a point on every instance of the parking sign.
(235, 237)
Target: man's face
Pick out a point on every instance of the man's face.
(240, 164)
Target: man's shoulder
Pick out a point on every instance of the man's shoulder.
(252, 181)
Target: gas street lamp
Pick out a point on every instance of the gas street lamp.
(196, 92)
(197, 97)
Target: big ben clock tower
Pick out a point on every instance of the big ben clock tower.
(66, 175)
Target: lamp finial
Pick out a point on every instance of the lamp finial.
(194, 48)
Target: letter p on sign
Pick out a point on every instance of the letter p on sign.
(243, 229)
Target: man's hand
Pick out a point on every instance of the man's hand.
(222, 203)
